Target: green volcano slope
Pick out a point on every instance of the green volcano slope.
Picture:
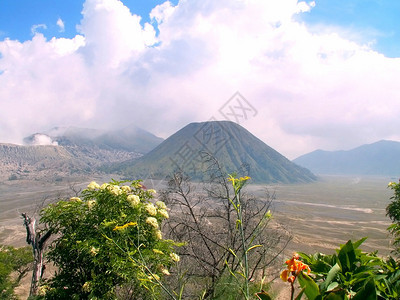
(233, 146)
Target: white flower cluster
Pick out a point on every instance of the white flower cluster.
(152, 222)
(151, 209)
(93, 186)
(175, 257)
(126, 189)
(75, 199)
(134, 200)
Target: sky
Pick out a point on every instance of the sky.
(300, 75)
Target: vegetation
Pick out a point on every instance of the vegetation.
(109, 244)
(230, 243)
(14, 265)
(393, 212)
(350, 273)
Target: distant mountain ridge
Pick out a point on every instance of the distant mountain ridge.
(131, 138)
(62, 152)
(379, 158)
(233, 146)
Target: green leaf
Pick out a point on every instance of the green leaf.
(339, 295)
(359, 242)
(347, 257)
(367, 292)
(311, 288)
(263, 296)
(331, 275)
(332, 286)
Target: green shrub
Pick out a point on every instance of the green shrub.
(109, 242)
(13, 260)
(349, 274)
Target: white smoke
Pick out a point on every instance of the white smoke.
(43, 139)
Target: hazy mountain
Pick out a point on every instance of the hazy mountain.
(231, 144)
(130, 139)
(52, 162)
(65, 151)
(380, 158)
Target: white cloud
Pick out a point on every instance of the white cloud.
(312, 89)
(61, 25)
(162, 12)
(34, 28)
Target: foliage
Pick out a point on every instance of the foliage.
(350, 274)
(393, 212)
(229, 240)
(12, 260)
(109, 243)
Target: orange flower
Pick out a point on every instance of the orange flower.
(285, 275)
(294, 267)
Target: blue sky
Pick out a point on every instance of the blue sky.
(377, 20)
(18, 17)
(320, 74)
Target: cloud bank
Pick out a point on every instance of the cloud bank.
(310, 89)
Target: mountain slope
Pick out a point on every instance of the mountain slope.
(130, 139)
(380, 158)
(230, 143)
(62, 152)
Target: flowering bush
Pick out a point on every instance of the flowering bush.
(108, 241)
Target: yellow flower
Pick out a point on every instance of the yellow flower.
(161, 205)
(115, 190)
(163, 213)
(125, 226)
(86, 287)
(165, 271)
(104, 186)
(158, 234)
(43, 290)
(154, 276)
(152, 222)
(151, 209)
(126, 188)
(152, 191)
(134, 200)
(91, 203)
(156, 251)
(175, 257)
(75, 199)
(240, 181)
(93, 185)
(94, 251)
